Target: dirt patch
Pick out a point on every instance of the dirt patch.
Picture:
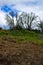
(25, 53)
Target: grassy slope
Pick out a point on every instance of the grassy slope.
(17, 47)
(23, 35)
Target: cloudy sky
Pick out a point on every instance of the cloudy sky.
(28, 6)
(35, 6)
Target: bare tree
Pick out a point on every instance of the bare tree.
(40, 25)
(23, 19)
(19, 23)
(31, 18)
(10, 20)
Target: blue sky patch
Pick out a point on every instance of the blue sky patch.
(8, 9)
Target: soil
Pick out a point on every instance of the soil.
(25, 53)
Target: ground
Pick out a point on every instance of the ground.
(20, 50)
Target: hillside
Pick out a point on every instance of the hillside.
(21, 47)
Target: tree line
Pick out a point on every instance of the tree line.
(24, 21)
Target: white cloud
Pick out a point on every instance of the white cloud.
(2, 18)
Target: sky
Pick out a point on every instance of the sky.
(35, 6)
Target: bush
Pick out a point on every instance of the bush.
(18, 27)
(0, 28)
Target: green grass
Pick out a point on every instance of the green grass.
(23, 35)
